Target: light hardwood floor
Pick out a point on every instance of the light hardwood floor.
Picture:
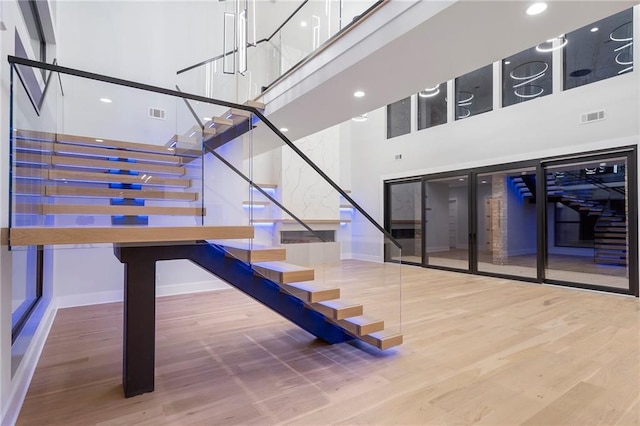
(477, 350)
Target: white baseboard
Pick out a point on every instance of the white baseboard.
(185, 288)
(101, 297)
(85, 299)
(366, 257)
(23, 375)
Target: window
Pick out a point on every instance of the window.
(526, 75)
(598, 51)
(399, 118)
(474, 92)
(432, 106)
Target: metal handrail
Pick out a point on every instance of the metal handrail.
(222, 55)
(14, 60)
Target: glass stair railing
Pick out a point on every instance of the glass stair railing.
(211, 171)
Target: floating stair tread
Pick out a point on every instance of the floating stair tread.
(338, 309)
(314, 221)
(114, 178)
(284, 273)
(256, 203)
(128, 146)
(362, 325)
(255, 104)
(218, 122)
(612, 261)
(267, 185)
(115, 152)
(22, 236)
(91, 163)
(253, 253)
(383, 339)
(97, 209)
(79, 191)
(311, 292)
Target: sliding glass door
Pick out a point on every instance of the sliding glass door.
(403, 219)
(506, 223)
(568, 221)
(446, 201)
(588, 222)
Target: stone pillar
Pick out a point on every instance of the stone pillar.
(499, 218)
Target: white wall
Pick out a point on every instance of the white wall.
(18, 361)
(543, 127)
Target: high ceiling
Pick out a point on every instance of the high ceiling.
(407, 46)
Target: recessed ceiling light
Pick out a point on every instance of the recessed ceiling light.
(358, 93)
(360, 118)
(284, 129)
(99, 140)
(461, 179)
(105, 100)
(303, 23)
(536, 8)
(484, 181)
(594, 29)
(507, 62)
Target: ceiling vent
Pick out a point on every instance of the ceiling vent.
(590, 117)
(157, 113)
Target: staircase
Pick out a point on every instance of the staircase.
(76, 175)
(611, 245)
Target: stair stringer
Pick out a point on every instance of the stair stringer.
(241, 276)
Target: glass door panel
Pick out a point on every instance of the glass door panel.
(403, 220)
(506, 222)
(447, 222)
(587, 222)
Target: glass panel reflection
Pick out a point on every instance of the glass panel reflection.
(399, 118)
(526, 75)
(598, 51)
(587, 233)
(474, 92)
(447, 222)
(432, 106)
(506, 206)
(404, 220)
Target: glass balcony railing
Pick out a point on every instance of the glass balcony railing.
(110, 154)
(309, 28)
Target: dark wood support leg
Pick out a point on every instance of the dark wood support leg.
(139, 329)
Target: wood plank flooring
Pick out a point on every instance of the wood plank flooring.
(477, 350)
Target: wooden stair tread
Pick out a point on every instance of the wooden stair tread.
(362, 325)
(21, 236)
(52, 147)
(283, 273)
(252, 253)
(147, 194)
(256, 203)
(116, 165)
(99, 142)
(255, 104)
(98, 209)
(310, 292)
(100, 177)
(338, 309)
(383, 339)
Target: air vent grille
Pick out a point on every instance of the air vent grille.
(590, 117)
(157, 113)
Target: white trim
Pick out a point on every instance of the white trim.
(185, 288)
(367, 258)
(97, 298)
(22, 378)
(112, 296)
